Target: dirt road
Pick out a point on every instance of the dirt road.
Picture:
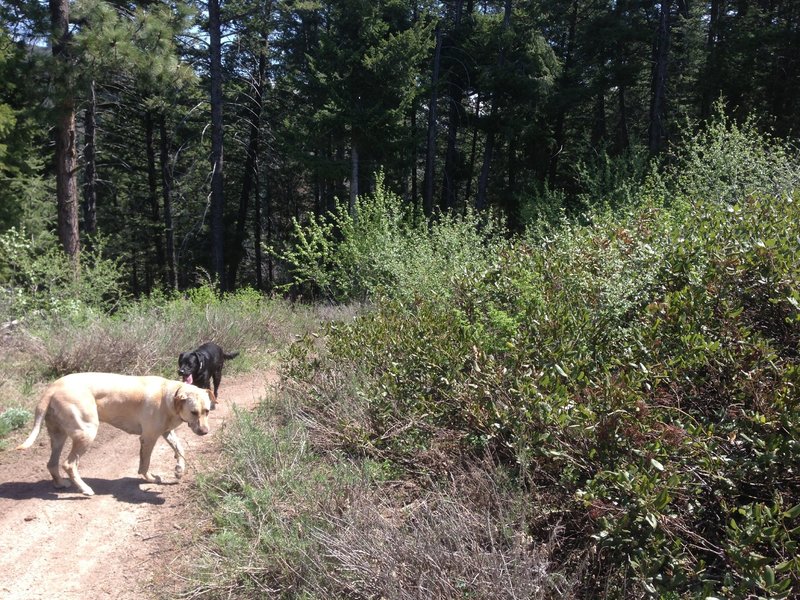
(120, 543)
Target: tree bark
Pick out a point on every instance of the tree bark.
(709, 87)
(430, 152)
(217, 162)
(66, 157)
(455, 97)
(152, 186)
(599, 133)
(353, 176)
(90, 170)
(473, 151)
(166, 195)
(259, 257)
(622, 138)
(559, 136)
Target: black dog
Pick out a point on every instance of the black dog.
(202, 365)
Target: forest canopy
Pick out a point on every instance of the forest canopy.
(184, 137)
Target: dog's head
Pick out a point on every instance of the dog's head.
(192, 405)
(189, 365)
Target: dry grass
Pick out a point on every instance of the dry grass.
(441, 545)
(146, 340)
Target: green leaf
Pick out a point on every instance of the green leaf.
(662, 499)
(792, 512)
(769, 576)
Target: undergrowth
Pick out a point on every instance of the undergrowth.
(611, 404)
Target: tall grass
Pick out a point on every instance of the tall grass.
(145, 338)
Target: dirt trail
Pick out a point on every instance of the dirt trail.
(119, 543)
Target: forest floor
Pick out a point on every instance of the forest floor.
(130, 540)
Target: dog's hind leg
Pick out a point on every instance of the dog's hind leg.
(57, 439)
(175, 444)
(217, 377)
(81, 440)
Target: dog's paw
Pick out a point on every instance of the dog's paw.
(150, 478)
(179, 471)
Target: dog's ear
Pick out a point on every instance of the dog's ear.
(199, 361)
(178, 400)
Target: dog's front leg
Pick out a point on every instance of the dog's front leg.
(175, 444)
(147, 444)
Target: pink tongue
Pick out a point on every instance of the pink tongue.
(189, 379)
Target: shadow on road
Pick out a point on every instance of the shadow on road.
(126, 489)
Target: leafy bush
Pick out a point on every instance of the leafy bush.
(43, 280)
(384, 247)
(11, 419)
(642, 369)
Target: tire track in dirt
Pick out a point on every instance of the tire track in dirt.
(121, 542)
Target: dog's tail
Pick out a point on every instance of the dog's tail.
(231, 355)
(41, 409)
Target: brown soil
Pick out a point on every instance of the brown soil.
(130, 539)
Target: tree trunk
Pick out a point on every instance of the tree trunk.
(559, 136)
(599, 119)
(657, 131)
(217, 184)
(413, 157)
(268, 207)
(430, 152)
(353, 177)
(622, 138)
(259, 258)
(709, 87)
(250, 167)
(152, 186)
(473, 149)
(90, 170)
(455, 97)
(166, 194)
(488, 150)
(66, 157)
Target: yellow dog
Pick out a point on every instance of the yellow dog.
(75, 405)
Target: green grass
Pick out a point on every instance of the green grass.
(12, 419)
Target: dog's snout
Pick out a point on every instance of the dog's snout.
(202, 430)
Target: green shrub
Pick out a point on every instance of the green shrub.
(384, 248)
(642, 368)
(11, 419)
(43, 280)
